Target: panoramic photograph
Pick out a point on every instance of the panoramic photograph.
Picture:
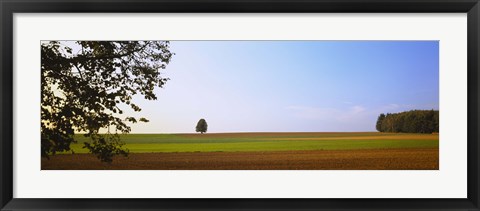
(239, 105)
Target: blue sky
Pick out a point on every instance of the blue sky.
(287, 86)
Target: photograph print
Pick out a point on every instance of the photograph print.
(239, 105)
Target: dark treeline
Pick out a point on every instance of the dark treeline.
(415, 121)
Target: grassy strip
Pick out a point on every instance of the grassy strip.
(260, 137)
(284, 145)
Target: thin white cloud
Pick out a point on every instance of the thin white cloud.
(328, 114)
(357, 109)
(350, 118)
(393, 107)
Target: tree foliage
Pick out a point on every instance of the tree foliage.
(201, 126)
(104, 147)
(379, 122)
(415, 121)
(84, 84)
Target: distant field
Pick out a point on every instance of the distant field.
(247, 142)
(266, 151)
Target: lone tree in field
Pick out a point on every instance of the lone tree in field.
(84, 84)
(201, 126)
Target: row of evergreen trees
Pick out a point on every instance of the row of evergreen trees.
(415, 121)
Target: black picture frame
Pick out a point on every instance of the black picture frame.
(9, 7)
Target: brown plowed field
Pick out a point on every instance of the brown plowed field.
(378, 159)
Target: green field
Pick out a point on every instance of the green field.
(251, 142)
